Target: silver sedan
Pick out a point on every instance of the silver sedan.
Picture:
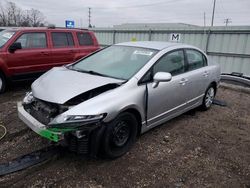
(101, 103)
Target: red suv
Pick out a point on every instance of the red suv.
(27, 52)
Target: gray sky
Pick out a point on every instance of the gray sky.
(111, 12)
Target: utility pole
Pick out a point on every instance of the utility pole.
(212, 23)
(90, 18)
(227, 21)
(204, 17)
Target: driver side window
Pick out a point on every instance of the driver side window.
(33, 40)
(172, 62)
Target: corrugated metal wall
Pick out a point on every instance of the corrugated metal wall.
(228, 47)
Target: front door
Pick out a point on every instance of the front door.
(33, 57)
(168, 98)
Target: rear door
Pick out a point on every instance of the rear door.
(63, 48)
(86, 44)
(198, 74)
(34, 55)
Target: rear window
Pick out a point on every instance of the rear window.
(62, 39)
(85, 39)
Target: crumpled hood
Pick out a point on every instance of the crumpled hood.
(61, 84)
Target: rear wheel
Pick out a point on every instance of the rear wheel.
(120, 135)
(208, 98)
(2, 83)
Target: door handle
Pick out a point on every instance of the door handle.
(206, 73)
(44, 53)
(183, 81)
(71, 51)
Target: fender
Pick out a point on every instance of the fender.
(4, 69)
(133, 107)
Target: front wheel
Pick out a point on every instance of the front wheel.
(2, 83)
(120, 135)
(208, 98)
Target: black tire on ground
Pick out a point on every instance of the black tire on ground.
(208, 98)
(2, 83)
(120, 135)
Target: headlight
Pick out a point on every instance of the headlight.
(29, 98)
(76, 119)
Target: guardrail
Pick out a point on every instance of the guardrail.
(237, 79)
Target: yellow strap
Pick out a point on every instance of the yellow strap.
(5, 131)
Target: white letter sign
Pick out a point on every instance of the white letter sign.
(175, 37)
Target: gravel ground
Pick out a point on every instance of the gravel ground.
(198, 149)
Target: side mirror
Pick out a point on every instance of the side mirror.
(15, 46)
(161, 77)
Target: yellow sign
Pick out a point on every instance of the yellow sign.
(133, 39)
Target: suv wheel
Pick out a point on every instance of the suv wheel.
(120, 135)
(2, 83)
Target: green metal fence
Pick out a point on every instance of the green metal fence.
(230, 47)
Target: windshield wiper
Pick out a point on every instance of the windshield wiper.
(89, 72)
(96, 73)
(92, 72)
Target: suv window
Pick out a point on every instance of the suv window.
(84, 39)
(33, 40)
(172, 62)
(62, 39)
(195, 59)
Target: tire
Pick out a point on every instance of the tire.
(120, 135)
(208, 98)
(2, 83)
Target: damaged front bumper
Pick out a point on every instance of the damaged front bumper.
(84, 138)
(36, 126)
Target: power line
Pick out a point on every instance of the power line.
(139, 5)
(183, 15)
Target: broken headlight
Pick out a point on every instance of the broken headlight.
(29, 98)
(76, 120)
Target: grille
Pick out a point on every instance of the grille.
(42, 111)
(80, 146)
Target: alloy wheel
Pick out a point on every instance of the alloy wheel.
(209, 97)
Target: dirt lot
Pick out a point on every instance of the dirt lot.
(204, 149)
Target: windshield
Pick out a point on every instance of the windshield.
(5, 36)
(120, 62)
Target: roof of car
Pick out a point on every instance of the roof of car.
(45, 28)
(150, 44)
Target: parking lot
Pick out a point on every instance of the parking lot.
(197, 149)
